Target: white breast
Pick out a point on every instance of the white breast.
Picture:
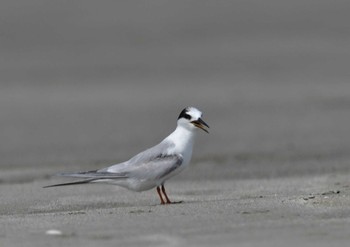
(183, 140)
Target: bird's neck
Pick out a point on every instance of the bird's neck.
(182, 138)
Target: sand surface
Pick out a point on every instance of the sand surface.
(84, 85)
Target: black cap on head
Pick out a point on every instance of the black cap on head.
(184, 114)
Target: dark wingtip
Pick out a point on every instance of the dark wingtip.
(70, 183)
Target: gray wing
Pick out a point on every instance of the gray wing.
(93, 175)
(89, 176)
(156, 168)
(153, 163)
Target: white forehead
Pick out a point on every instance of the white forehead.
(194, 112)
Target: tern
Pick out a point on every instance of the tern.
(152, 167)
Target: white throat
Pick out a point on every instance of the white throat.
(183, 139)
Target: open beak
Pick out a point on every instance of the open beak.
(201, 124)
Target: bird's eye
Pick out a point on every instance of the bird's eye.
(185, 115)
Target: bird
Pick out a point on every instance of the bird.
(154, 166)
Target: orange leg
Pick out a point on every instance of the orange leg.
(166, 196)
(160, 196)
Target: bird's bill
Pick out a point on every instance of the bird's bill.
(201, 124)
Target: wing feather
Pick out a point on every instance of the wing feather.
(93, 174)
(156, 168)
(151, 165)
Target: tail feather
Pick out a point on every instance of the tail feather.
(71, 183)
(93, 174)
(90, 176)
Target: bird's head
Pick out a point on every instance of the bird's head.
(191, 118)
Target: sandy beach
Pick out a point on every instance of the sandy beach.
(86, 85)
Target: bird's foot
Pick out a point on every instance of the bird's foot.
(170, 202)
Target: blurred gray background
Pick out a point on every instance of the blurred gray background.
(86, 84)
(92, 82)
